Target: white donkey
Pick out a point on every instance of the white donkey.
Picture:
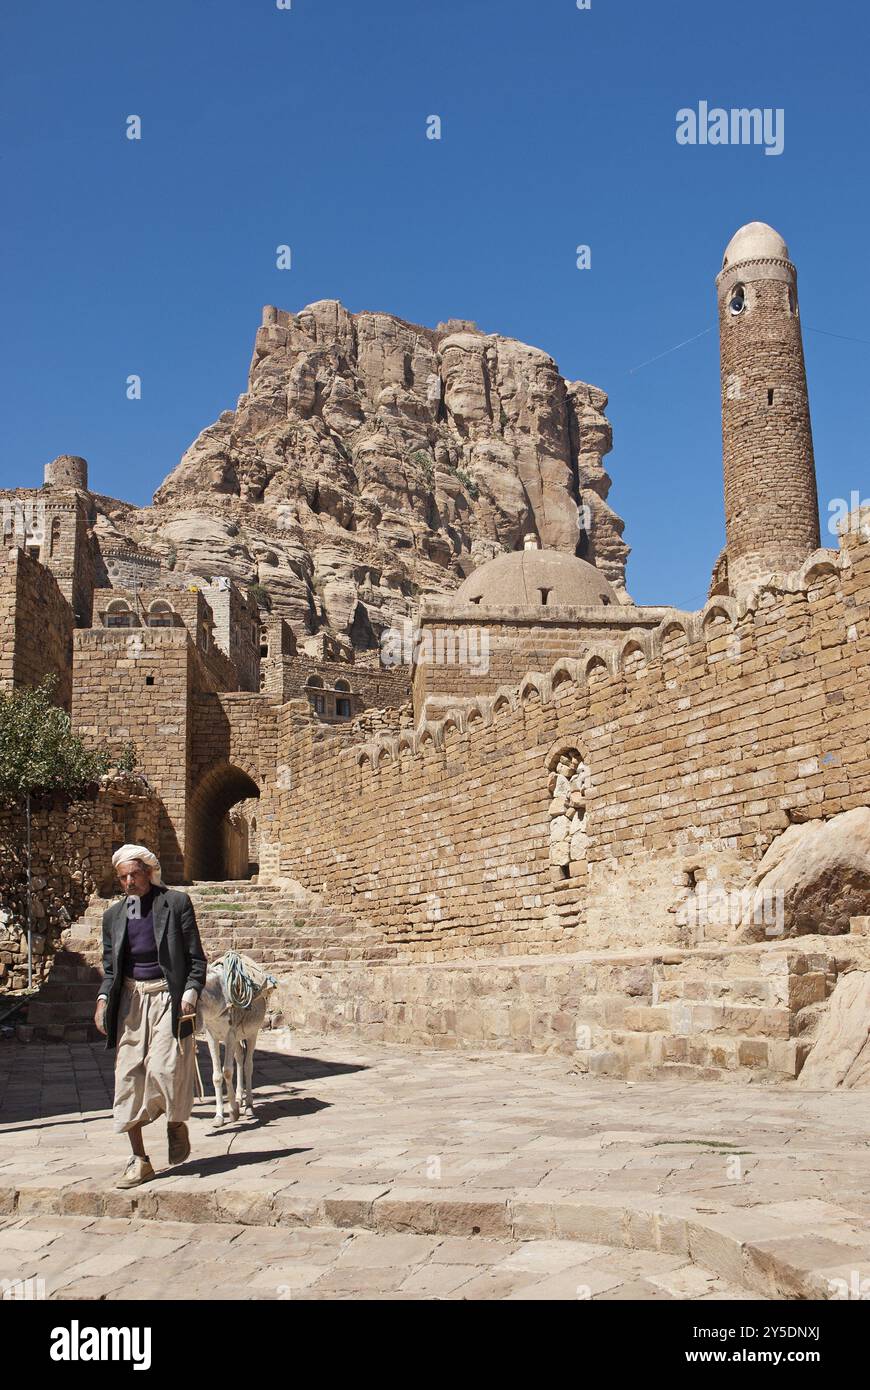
(231, 1010)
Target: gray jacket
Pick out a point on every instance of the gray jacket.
(179, 952)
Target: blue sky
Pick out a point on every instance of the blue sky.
(306, 126)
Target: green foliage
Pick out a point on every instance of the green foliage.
(468, 483)
(38, 749)
(424, 461)
(261, 596)
(126, 759)
(171, 557)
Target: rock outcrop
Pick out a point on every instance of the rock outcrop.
(841, 1052)
(821, 869)
(372, 460)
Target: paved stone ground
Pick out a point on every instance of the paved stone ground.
(111, 1258)
(386, 1172)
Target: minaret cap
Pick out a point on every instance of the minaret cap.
(755, 241)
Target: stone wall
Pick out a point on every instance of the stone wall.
(234, 757)
(72, 846)
(466, 651)
(236, 631)
(700, 742)
(771, 503)
(36, 625)
(287, 677)
(703, 1014)
(134, 686)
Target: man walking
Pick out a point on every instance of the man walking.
(154, 968)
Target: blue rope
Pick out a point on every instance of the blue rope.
(239, 987)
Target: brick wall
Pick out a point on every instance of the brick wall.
(771, 506)
(474, 651)
(234, 756)
(134, 685)
(698, 741)
(372, 686)
(36, 625)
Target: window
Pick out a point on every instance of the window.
(342, 685)
(160, 615)
(737, 302)
(342, 708)
(545, 594)
(318, 704)
(314, 682)
(149, 680)
(118, 614)
(770, 396)
(55, 536)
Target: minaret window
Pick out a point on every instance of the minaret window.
(770, 396)
(737, 302)
(545, 594)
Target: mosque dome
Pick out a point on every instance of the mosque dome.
(532, 578)
(755, 241)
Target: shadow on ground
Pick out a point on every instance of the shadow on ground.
(40, 1081)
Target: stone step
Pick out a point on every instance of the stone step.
(701, 1056)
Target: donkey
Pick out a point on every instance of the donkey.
(236, 1026)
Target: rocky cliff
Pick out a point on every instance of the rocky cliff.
(372, 460)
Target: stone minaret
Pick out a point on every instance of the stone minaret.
(771, 505)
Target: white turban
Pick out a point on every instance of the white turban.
(128, 852)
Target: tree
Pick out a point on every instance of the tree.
(40, 753)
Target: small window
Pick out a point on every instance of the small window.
(545, 594)
(119, 615)
(342, 708)
(33, 552)
(318, 704)
(160, 614)
(770, 395)
(149, 680)
(737, 302)
(342, 685)
(477, 599)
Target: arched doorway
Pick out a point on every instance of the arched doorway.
(219, 840)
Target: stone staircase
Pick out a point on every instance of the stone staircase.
(718, 1014)
(63, 1010)
(732, 1013)
(279, 926)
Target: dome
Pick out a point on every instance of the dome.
(517, 580)
(753, 242)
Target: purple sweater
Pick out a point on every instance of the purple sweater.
(140, 945)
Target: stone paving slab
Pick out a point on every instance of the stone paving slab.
(165, 1259)
(764, 1189)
